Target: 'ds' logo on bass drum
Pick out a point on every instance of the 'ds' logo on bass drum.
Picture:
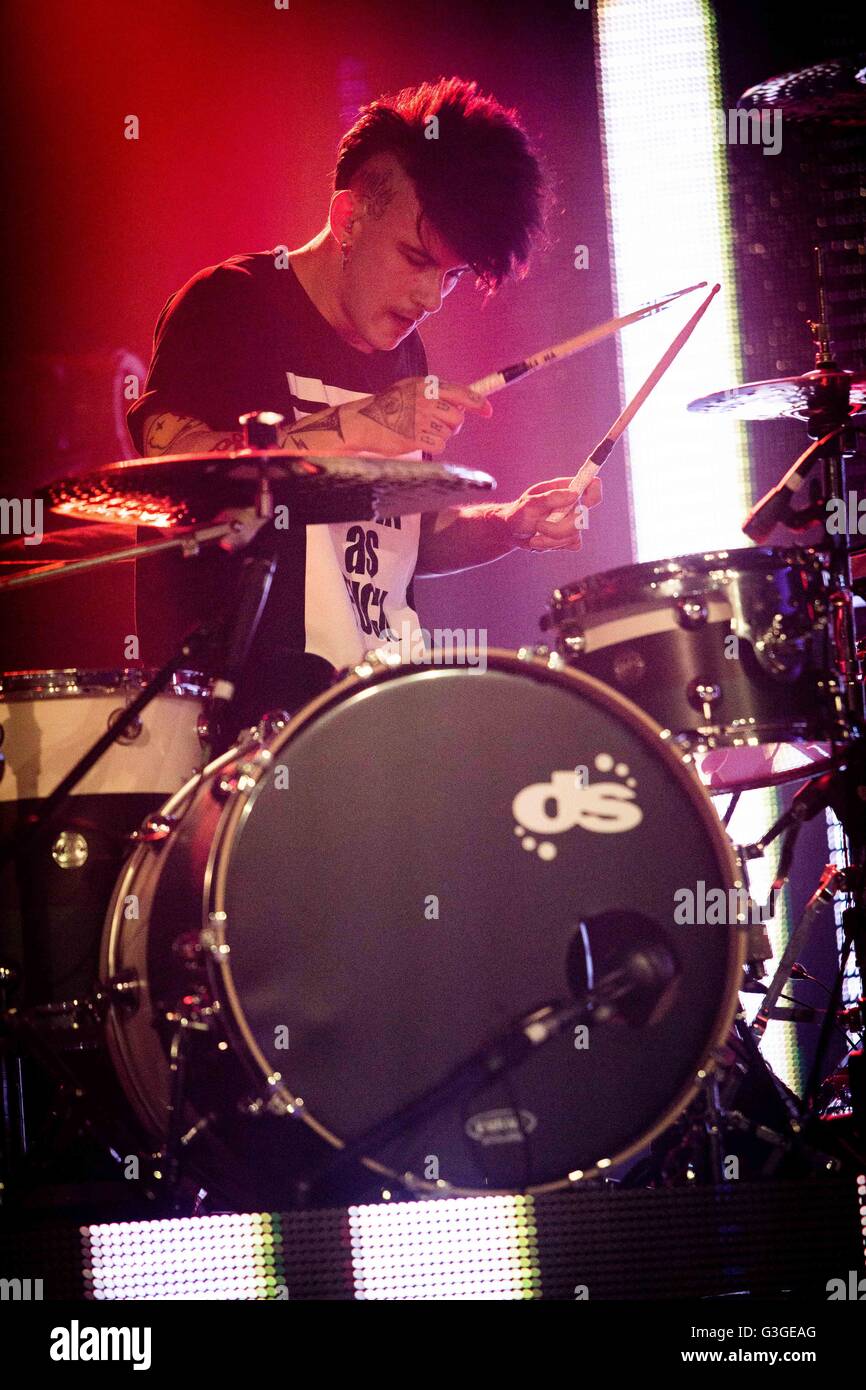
(570, 800)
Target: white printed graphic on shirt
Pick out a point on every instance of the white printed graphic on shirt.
(357, 573)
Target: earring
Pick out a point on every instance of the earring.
(346, 250)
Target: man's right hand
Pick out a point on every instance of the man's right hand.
(410, 415)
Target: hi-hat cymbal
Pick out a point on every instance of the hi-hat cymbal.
(784, 398)
(833, 91)
(193, 489)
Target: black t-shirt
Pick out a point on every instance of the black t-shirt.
(244, 335)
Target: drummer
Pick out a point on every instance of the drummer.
(327, 335)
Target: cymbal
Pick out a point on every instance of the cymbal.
(782, 398)
(192, 489)
(834, 91)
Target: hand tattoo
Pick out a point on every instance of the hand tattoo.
(395, 410)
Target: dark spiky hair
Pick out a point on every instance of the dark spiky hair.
(478, 180)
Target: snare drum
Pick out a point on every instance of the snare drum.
(732, 652)
(56, 892)
(49, 719)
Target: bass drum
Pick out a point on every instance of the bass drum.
(352, 907)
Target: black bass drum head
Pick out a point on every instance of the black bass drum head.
(432, 854)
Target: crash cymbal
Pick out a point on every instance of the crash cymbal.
(192, 489)
(784, 398)
(834, 91)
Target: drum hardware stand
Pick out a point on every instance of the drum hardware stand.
(713, 1115)
(255, 585)
(198, 645)
(496, 1059)
(261, 430)
(33, 1030)
(816, 795)
(854, 936)
(189, 545)
(713, 1119)
(843, 789)
(191, 1016)
(12, 1117)
(488, 1063)
(165, 1166)
(832, 879)
(829, 425)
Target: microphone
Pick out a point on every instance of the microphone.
(775, 506)
(812, 797)
(622, 969)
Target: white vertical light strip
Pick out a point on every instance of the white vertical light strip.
(669, 226)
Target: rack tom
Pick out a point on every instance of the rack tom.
(732, 652)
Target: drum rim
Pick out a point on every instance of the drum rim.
(133, 876)
(77, 682)
(362, 678)
(742, 560)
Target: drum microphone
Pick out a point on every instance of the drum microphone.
(775, 507)
(621, 969)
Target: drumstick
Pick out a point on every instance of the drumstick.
(486, 385)
(591, 467)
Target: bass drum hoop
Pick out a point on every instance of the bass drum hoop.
(140, 877)
(371, 675)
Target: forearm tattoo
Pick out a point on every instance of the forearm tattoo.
(331, 422)
(176, 434)
(161, 431)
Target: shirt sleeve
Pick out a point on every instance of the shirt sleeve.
(199, 354)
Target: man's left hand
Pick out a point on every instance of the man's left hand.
(528, 518)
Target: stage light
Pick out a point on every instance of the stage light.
(669, 221)
(465, 1248)
(669, 226)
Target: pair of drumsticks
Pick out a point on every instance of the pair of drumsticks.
(591, 466)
